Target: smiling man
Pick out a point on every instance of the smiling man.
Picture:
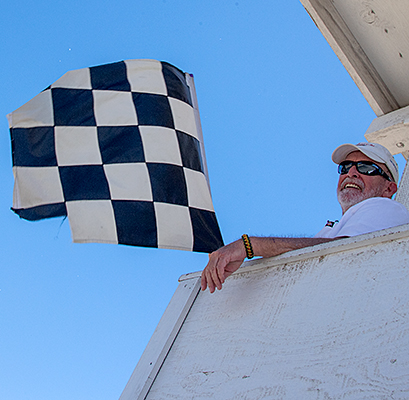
(367, 181)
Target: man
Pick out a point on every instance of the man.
(368, 180)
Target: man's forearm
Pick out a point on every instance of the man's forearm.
(273, 246)
(226, 260)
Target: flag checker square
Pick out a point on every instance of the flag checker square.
(119, 149)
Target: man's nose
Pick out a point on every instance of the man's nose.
(353, 171)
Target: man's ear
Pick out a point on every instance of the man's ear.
(390, 189)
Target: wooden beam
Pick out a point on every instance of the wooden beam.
(391, 130)
(346, 47)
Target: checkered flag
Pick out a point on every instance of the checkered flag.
(119, 149)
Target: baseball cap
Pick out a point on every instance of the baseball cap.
(374, 151)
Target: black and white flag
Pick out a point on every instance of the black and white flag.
(117, 148)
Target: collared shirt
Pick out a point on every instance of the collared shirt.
(367, 216)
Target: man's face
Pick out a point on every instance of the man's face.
(354, 187)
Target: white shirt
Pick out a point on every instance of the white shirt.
(367, 216)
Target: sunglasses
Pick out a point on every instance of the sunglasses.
(363, 167)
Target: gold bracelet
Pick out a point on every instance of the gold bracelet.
(248, 246)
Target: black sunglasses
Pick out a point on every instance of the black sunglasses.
(363, 167)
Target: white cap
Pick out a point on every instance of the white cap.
(374, 151)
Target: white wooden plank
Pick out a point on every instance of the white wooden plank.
(161, 341)
(349, 51)
(320, 250)
(381, 28)
(326, 326)
(391, 130)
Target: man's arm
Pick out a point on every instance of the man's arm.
(226, 260)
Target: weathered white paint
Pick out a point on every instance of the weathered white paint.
(381, 28)
(325, 322)
(371, 38)
(391, 130)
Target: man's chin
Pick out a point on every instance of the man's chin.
(347, 200)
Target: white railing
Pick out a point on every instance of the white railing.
(328, 321)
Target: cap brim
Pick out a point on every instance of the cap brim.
(341, 153)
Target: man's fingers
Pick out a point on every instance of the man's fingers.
(213, 274)
(203, 281)
(206, 280)
(203, 278)
(215, 278)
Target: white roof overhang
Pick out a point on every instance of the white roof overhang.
(371, 38)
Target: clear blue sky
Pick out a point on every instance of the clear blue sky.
(274, 101)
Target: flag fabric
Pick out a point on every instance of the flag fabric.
(117, 148)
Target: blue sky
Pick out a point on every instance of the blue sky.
(274, 102)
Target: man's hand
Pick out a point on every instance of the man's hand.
(222, 263)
